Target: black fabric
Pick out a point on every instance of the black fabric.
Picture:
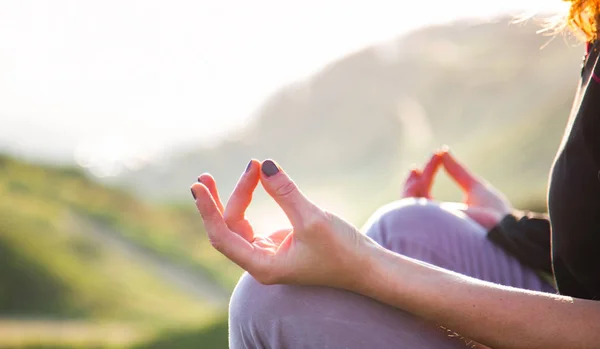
(527, 237)
(574, 194)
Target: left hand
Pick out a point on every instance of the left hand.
(483, 203)
(418, 184)
(486, 205)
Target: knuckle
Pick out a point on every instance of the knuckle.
(216, 244)
(286, 189)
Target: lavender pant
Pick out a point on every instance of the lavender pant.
(282, 316)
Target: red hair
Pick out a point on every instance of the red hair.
(583, 18)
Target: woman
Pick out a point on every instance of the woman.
(421, 267)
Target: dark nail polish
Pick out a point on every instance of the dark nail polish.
(269, 168)
(193, 194)
(249, 166)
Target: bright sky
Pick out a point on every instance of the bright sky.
(108, 78)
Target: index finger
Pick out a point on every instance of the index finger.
(429, 172)
(230, 244)
(241, 197)
(411, 185)
(458, 172)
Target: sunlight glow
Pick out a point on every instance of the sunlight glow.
(178, 72)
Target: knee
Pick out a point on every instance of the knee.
(413, 217)
(419, 222)
(248, 313)
(279, 316)
(406, 211)
(262, 316)
(288, 316)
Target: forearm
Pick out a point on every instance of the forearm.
(497, 316)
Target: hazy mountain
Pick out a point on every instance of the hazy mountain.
(498, 94)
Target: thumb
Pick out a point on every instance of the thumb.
(299, 210)
(458, 172)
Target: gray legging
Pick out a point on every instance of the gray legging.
(283, 316)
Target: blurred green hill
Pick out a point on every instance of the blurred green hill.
(75, 254)
(498, 93)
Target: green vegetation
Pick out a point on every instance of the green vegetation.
(213, 336)
(59, 259)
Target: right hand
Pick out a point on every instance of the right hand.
(485, 204)
(320, 249)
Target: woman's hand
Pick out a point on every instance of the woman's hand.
(418, 183)
(320, 249)
(485, 204)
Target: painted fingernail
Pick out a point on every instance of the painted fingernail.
(248, 166)
(199, 180)
(193, 194)
(269, 168)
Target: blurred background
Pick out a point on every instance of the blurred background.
(110, 110)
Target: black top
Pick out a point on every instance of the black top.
(525, 235)
(572, 250)
(573, 200)
(574, 193)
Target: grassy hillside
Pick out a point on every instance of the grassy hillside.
(62, 256)
(213, 336)
(498, 93)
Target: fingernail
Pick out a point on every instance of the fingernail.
(193, 194)
(269, 168)
(199, 180)
(248, 167)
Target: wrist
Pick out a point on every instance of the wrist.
(370, 272)
(392, 278)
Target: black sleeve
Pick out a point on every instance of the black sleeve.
(526, 236)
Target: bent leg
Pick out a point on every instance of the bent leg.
(284, 316)
(429, 232)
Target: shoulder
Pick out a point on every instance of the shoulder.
(591, 68)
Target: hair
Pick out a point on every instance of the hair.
(583, 18)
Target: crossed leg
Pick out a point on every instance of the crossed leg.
(285, 316)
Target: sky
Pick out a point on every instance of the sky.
(123, 81)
